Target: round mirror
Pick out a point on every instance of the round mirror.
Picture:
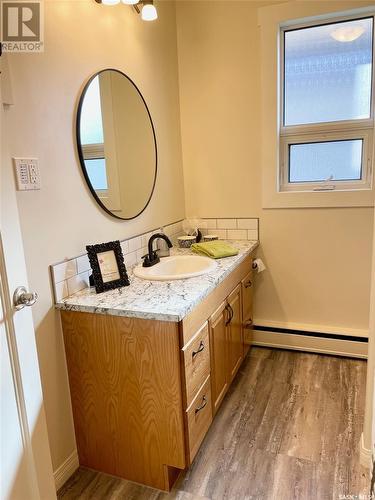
(116, 144)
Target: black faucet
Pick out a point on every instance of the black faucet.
(152, 257)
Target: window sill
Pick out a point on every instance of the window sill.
(317, 199)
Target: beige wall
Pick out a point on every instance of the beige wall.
(60, 219)
(318, 259)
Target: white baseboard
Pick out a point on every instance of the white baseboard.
(336, 347)
(66, 469)
(365, 455)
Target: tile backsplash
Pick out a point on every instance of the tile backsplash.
(72, 275)
(232, 229)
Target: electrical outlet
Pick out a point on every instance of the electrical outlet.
(27, 174)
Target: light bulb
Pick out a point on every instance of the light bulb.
(130, 2)
(149, 12)
(347, 33)
(110, 2)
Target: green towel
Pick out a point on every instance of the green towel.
(215, 249)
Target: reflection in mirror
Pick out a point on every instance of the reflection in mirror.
(116, 144)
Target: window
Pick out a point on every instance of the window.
(91, 115)
(97, 173)
(326, 123)
(96, 167)
(92, 138)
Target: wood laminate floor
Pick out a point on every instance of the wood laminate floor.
(289, 428)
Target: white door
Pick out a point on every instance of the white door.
(26, 471)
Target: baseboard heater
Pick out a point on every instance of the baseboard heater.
(325, 343)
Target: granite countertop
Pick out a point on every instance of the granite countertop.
(160, 300)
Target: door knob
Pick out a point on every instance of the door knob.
(22, 298)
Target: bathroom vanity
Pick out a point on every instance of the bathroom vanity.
(150, 364)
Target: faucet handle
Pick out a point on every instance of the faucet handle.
(147, 262)
(147, 255)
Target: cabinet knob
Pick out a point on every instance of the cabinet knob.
(248, 284)
(249, 323)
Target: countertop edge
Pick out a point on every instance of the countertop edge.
(169, 317)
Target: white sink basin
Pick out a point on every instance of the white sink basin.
(177, 267)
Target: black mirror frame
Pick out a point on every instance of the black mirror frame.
(79, 145)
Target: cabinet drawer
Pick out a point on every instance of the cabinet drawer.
(247, 297)
(196, 363)
(199, 418)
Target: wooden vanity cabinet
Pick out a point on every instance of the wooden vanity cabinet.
(144, 392)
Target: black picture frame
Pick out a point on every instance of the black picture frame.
(101, 285)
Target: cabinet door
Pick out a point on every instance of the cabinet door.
(235, 333)
(247, 309)
(219, 355)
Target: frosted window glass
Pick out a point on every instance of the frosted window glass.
(319, 161)
(326, 79)
(91, 115)
(97, 173)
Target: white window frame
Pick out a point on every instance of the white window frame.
(111, 196)
(96, 152)
(327, 131)
(93, 151)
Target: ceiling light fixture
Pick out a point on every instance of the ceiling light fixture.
(347, 33)
(146, 8)
(148, 12)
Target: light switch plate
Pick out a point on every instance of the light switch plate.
(27, 174)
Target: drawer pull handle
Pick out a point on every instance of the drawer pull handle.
(248, 324)
(200, 349)
(248, 284)
(204, 403)
(230, 311)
